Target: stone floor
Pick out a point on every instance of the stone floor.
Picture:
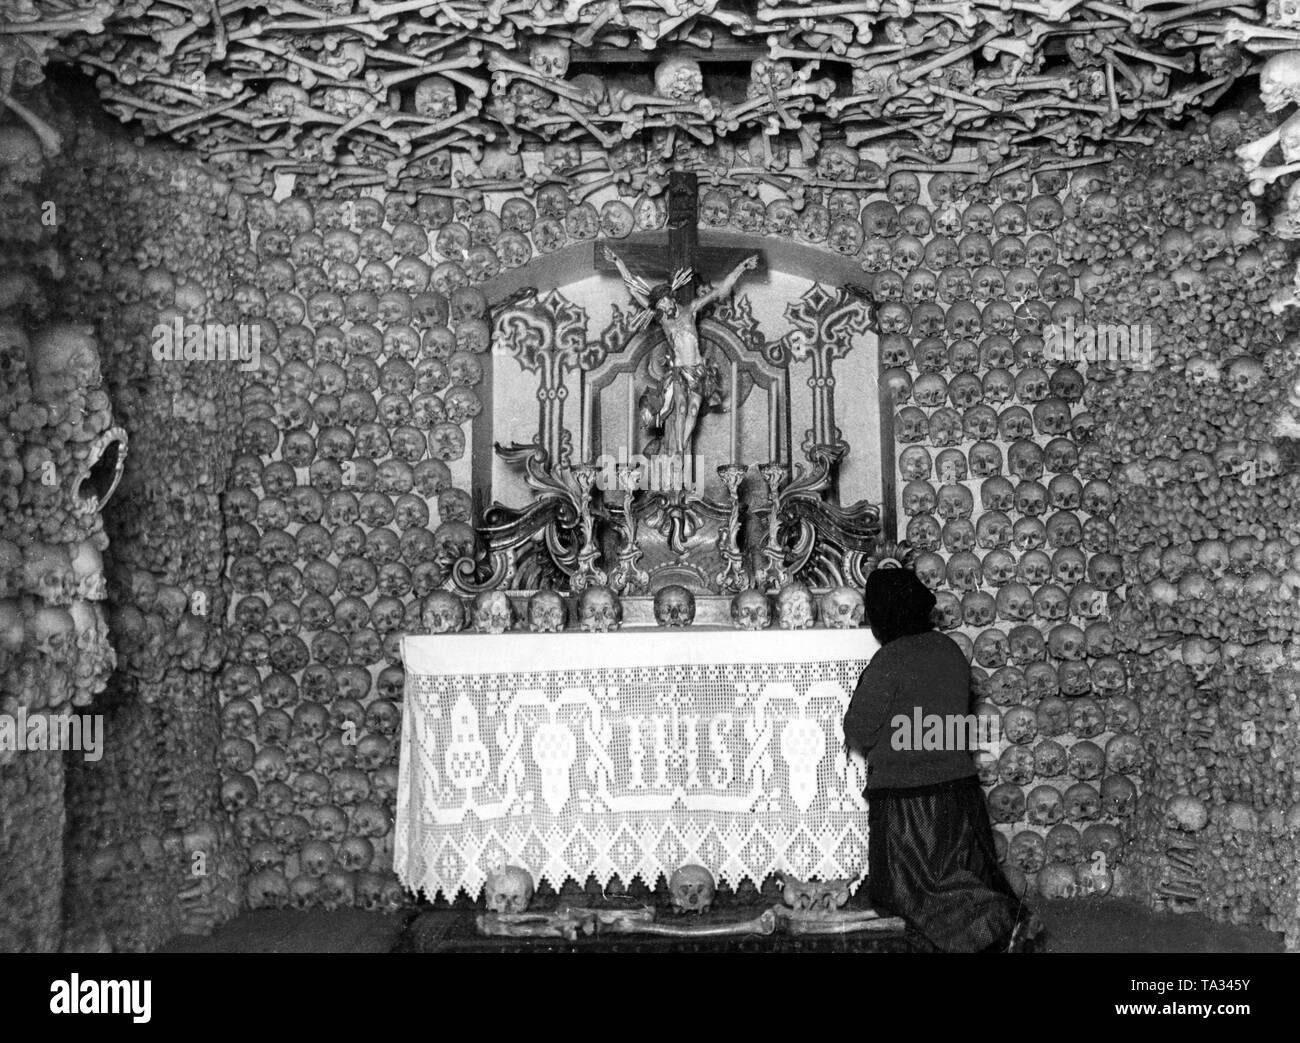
(1103, 926)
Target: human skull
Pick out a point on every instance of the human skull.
(493, 612)
(1045, 806)
(842, 608)
(751, 610)
(795, 607)
(546, 612)
(1006, 803)
(1186, 814)
(443, 613)
(674, 606)
(692, 889)
(1279, 81)
(680, 79)
(1123, 754)
(508, 890)
(599, 610)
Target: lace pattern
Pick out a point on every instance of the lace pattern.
(629, 754)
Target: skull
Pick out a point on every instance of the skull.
(599, 610)
(998, 568)
(1086, 760)
(1015, 602)
(435, 97)
(842, 608)
(1123, 754)
(508, 890)
(991, 648)
(985, 460)
(692, 889)
(1279, 81)
(1006, 803)
(442, 613)
(1082, 802)
(1045, 806)
(751, 610)
(674, 606)
(795, 607)
(837, 162)
(493, 613)
(546, 612)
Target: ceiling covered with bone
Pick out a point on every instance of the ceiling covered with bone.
(358, 92)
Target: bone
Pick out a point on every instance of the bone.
(50, 139)
(609, 12)
(947, 58)
(527, 925)
(291, 55)
(1237, 31)
(419, 68)
(232, 107)
(838, 926)
(764, 924)
(88, 20)
(1191, 10)
(1262, 177)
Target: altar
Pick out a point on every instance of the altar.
(629, 754)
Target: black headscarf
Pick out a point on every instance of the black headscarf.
(898, 604)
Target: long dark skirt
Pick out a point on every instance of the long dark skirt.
(932, 861)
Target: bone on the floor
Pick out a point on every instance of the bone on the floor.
(763, 924)
(528, 925)
(841, 925)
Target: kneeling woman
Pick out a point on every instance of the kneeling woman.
(932, 859)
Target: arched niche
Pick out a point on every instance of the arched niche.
(563, 269)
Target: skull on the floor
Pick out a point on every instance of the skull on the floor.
(692, 889)
(508, 890)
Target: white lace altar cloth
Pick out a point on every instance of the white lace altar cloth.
(629, 753)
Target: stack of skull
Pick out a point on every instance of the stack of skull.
(55, 654)
(158, 240)
(1204, 515)
(346, 509)
(1007, 498)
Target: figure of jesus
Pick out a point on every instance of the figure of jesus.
(689, 379)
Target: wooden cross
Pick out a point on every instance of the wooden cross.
(657, 265)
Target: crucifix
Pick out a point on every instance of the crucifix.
(690, 379)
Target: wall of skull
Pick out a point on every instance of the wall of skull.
(1114, 552)
(1007, 498)
(56, 425)
(1204, 516)
(347, 504)
(142, 236)
(380, 336)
